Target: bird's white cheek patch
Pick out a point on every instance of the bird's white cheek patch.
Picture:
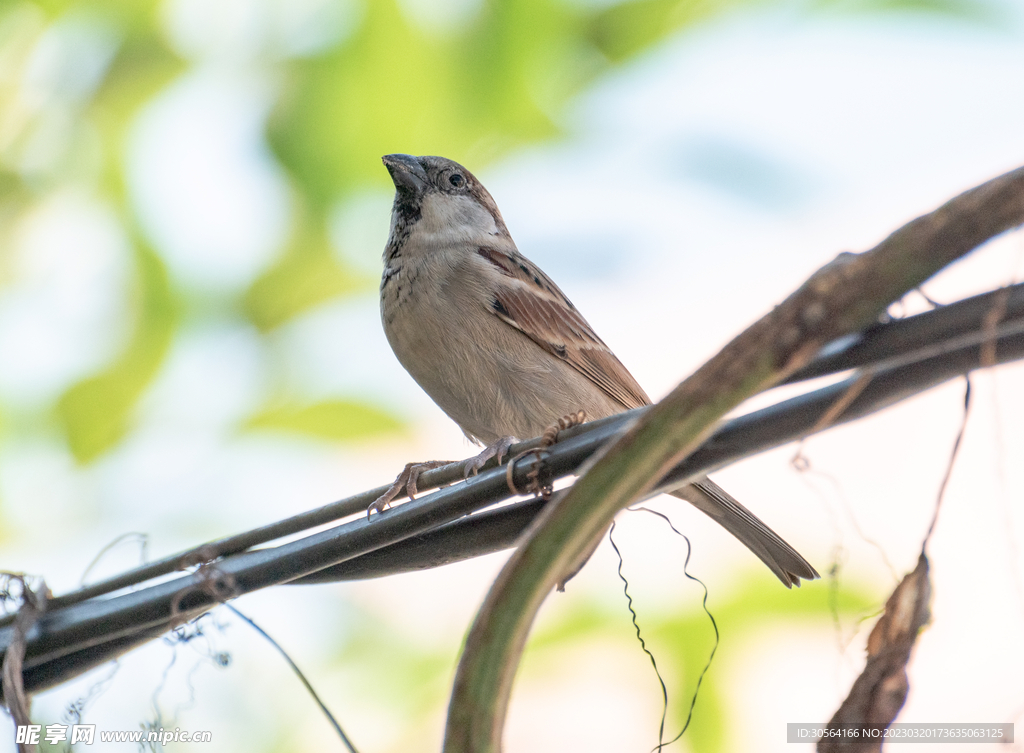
(455, 217)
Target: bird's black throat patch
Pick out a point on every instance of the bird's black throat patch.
(405, 214)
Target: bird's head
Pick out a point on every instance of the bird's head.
(439, 197)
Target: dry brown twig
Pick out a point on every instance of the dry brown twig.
(33, 604)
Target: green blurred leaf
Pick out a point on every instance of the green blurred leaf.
(688, 638)
(682, 638)
(507, 62)
(307, 274)
(143, 66)
(95, 412)
(414, 674)
(391, 87)
(339, 112)
(130, 14)
(10, 185)
(336, 420)
(626, 29)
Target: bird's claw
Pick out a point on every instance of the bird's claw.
(407, 480)
(410, 474)
(494, 450)
(548, 438)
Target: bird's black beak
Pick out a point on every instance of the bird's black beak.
(406, 171)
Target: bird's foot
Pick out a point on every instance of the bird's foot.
(493, 450)
(547, 439)
(406, 480)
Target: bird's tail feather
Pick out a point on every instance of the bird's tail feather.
(780, 557)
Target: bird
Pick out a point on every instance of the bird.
(499, 347)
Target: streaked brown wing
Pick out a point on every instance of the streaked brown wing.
(534, 305)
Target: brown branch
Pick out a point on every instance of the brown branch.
(18, 702)
(880, 691)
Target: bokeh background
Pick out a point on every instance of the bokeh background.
(192, 211)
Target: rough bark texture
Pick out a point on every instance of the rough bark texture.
(881, 690)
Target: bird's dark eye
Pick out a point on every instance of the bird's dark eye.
(456, 180)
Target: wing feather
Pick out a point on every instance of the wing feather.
(533, 304)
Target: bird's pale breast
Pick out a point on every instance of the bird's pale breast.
(491, 379)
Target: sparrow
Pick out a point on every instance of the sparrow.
(499, 347)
